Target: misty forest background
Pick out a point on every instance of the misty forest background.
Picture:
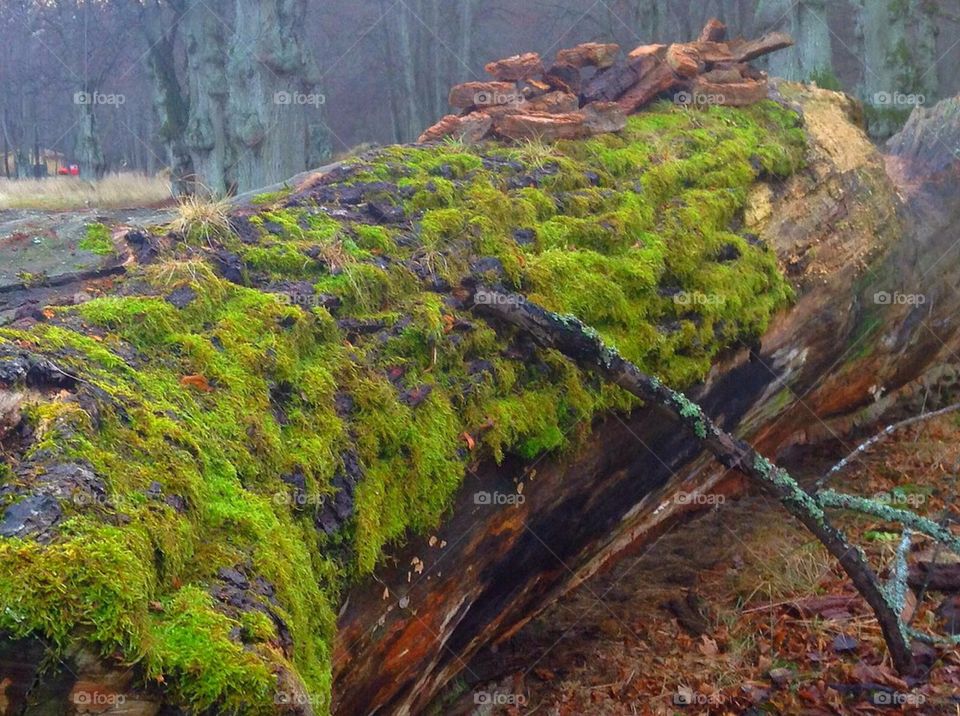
(198, 80)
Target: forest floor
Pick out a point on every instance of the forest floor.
(741, 611)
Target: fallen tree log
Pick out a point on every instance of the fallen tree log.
(813, 379)
(406, 624)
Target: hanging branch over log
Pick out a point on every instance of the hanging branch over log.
(582, 344)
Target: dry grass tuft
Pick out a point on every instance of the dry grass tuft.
(115, 191)
(202, 218)
(784, 564)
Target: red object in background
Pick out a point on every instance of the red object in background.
(63, 171)
(73, 170)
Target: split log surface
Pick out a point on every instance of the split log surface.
(649, 72)
(516, 68)
(589, 54)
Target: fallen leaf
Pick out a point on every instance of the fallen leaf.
(708, 647)
(197, 382)
(844, 643)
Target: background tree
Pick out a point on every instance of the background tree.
(200, 79)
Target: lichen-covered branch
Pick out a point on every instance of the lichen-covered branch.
(581, 343)
(855, 503)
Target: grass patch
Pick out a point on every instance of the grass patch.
(97, 240)
(116, 191)
(202, 219)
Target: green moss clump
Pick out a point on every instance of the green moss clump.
(97, 240)
(346, 353)
(270, 197)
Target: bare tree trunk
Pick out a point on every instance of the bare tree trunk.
(899, 60)
(467, 8)
(806, 21)
(6, 147)
(408, 69)
(206, 135)
(172, 109)
(272, 81)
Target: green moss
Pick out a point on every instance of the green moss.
(271, 197)
(97, 240)
(374, 238)
(93, 581)
(190, 636)
(216, 402)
